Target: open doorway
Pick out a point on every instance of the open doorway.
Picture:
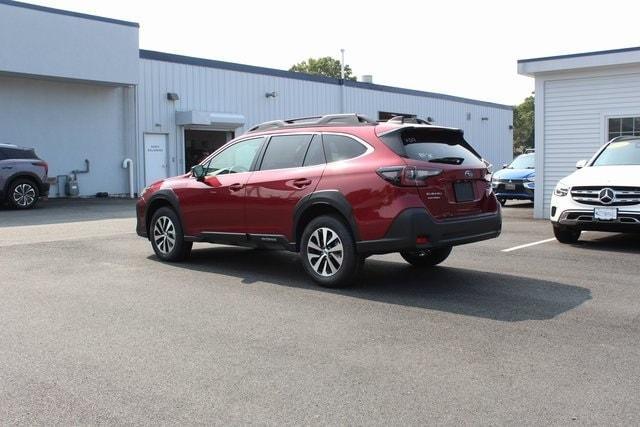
(198, 144)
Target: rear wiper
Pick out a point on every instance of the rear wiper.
(448, 160)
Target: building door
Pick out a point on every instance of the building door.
(155, 157)
(198, 144)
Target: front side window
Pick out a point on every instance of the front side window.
(339, 147)
(285, 151)
(621, 126)
(620, 153)
(237, 158)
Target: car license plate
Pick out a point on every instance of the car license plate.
(464, 191)
(605, 214)
(510, 186)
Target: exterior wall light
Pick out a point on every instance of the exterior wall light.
(172, 96)
(271, 94)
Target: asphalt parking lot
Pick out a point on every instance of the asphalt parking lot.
(95, 330)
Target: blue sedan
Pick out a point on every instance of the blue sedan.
(516, 180)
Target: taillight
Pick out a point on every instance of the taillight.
(42, 164)
(409, 176)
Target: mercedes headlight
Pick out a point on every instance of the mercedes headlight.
(561, 189)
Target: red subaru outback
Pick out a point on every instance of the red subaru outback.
(336, 189)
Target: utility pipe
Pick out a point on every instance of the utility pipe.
(128, 163)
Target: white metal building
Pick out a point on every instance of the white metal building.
(77, 87)
(582, 101)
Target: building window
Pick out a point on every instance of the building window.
(621, 126)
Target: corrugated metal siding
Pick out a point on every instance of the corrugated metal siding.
(215, 90)
(574, 120)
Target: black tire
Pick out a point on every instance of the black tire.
(427, 257)
(23, 194)
(325, 267)
(566, 234)
(502, 201)
(165, 224)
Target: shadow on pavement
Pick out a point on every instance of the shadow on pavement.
(60, 211)
(621, 242)
(455, 290)
(519, 205)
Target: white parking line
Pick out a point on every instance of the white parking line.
(539, 242)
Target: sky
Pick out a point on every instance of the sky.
(457, 47)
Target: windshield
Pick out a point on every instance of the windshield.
(525, 161)
(620, 153)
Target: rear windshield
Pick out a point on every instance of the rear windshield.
(620, 153)
(434, 146)
(17, 153)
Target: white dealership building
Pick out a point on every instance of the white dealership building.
(79, 90)
(582, 101)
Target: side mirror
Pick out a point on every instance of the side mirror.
(198, 172)
(505, 166)
(580, 164)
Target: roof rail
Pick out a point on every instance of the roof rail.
(405, 119)
(326, 120)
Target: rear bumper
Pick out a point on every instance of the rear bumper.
(415, 222)
(44, 188)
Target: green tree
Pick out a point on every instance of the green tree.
(523, 126)
(325, 66)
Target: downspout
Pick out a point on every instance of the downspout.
(128, 163)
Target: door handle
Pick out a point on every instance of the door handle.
(7, 167)
(301, 183)
(236, 187)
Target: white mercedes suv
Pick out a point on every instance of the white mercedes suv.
(602, 195)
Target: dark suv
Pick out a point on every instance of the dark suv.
(23, 176)
(336, 189)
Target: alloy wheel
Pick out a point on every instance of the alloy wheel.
(24, 195)
(164, 234)
(325, 251)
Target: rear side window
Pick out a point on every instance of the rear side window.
(18, 153)
(285, 151)
(315, 153)
(434, 146)
(339, 147)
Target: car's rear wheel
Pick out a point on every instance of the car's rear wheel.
(566, 234)
(23, 194)
(328, 252)
(426, 257)
(167, 237)
(502, 201)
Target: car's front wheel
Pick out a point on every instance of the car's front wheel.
(167, 237)
(566, 234)
(23, 194)
(426, 257)
(328, 252)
